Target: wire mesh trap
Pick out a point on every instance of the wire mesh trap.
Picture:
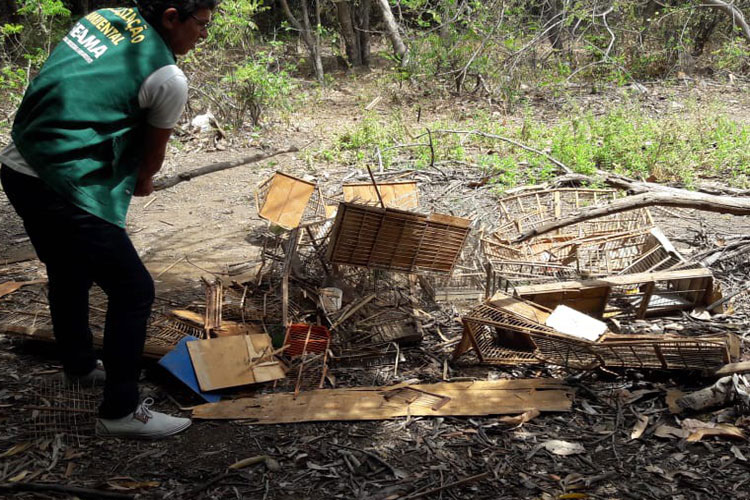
(458, 288)
(397, 240)
(58, 408)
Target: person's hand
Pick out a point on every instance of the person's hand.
(144, 186)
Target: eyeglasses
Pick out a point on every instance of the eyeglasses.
(203, 23)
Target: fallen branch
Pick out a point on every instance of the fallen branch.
(461, 482)
(69, 490)
(557, 162)
(167, 182)
(670, 198)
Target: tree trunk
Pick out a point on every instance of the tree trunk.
(8, 10)
(363, 31)
(554, 14)
(738, 19)
(306, 34)
(391, 28)
(351, 40)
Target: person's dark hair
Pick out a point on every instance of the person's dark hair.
(152, 10)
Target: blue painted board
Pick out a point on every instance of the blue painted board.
(178, 363)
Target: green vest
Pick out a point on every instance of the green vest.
(79, 125)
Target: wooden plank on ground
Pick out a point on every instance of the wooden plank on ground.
(475, 398)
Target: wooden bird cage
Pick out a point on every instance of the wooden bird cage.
(396, 240)
(505, 330)
(525, 211)
(668, 352)
(563, 258)
(629, 295)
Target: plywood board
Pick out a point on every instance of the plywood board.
(476, 398)
(233, 361)
(286, 200)
(571, 322)
(403, 195)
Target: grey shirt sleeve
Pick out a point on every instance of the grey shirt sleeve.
(164, 93)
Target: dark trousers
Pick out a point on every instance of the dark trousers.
(80, 249)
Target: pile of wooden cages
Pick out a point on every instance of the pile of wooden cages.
(510, 331)
(619, 266)
(615, 244)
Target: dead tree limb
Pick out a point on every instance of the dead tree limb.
(167, 182)
(391, 29)
(61, 488)
(738, 19)
(557, 162)
(675, 198)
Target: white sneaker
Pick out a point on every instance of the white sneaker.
(97, 376)
(143, 423)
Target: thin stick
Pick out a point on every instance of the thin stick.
(170, 267)
(375, 184)
(70, 490)
(467, 480)
(302, 364)
(170, 181)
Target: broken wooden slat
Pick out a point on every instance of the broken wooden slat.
(214, 304)
(477, 398)
(11, 286)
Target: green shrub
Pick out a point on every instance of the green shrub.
(255, 87)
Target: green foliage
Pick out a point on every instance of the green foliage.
(623, 140)
(49, 19)
(255, 85)
(233, 25)
(733, 56)
(11, 79)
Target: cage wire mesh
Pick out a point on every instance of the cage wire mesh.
(59, 408)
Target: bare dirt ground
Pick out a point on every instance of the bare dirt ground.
(207, 225)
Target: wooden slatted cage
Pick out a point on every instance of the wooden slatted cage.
(397, 240)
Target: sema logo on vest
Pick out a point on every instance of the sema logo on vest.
(83, 44)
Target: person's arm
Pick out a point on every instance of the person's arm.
(155, 147)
